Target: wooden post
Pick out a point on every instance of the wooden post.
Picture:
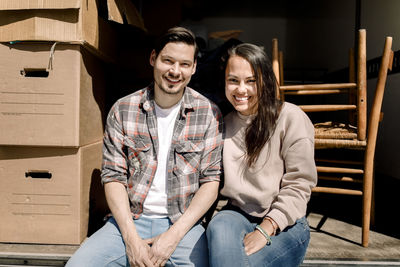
(281, 81)
(275, 62)
(372, 136)
(362, 85)
(352, 92)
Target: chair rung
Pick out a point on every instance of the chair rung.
(318, 108)
(340, 179)
(332, 190)
(316, 92)
(340, 161)
(339, 143)
(318, 86)
(339, 170)
(333, 135)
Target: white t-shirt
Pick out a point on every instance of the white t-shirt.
(155, 204)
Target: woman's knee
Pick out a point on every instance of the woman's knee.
(300, 232)
(216, 223)
(227, 227)
(219, 223)
(290, 246)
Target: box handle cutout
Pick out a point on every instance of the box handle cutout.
(35, 72)
(38, 174)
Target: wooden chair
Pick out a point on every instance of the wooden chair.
(331, 134)
(330, 138)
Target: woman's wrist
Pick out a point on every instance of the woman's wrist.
(264, 233)
(270, 225)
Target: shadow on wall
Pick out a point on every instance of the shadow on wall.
(98, 207)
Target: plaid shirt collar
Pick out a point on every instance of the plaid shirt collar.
(147, 101)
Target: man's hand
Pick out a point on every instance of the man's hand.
(139, 254)
(253, 242)
(162, 247)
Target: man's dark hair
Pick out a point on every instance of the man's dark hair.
(176, 35)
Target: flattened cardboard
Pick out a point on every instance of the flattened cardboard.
(64, 108)
(45, 193)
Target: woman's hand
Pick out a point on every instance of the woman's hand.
(253, 242)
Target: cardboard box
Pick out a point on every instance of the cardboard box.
(124, 11)
(66, 21)
(56, 20)
(58, 106)
(44, 193)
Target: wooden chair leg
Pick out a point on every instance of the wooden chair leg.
(373, 201)
(367, 200)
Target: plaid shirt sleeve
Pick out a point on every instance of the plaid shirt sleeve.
(211, 163)
(114, 167)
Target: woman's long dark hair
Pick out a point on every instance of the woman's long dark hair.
(263, 124)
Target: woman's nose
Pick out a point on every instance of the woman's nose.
(241, 87)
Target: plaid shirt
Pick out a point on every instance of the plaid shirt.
(131, 145)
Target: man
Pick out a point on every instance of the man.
(161, 167)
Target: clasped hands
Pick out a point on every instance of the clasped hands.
(152, 252)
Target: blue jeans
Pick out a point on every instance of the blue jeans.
(106, 247)
(227, 229)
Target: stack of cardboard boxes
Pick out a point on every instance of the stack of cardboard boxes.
(52, 90)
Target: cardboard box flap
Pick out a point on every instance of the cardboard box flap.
(120, 9)
(39, 4)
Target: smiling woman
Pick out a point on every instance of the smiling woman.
(269, 170)
(241, 87)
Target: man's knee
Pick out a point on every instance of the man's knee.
(103, 247)
(81, 257)
(192, 250)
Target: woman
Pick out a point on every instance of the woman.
(269, 170)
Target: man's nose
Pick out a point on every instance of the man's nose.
(175, 69)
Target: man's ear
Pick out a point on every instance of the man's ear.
(194, 67)
(153, 57)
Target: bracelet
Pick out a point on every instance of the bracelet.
(265, 234)
(273, 225)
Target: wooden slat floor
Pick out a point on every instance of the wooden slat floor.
(337, 243)
(334, 243)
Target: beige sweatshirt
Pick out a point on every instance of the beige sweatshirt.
(279, 184)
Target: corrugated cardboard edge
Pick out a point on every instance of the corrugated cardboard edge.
(39, 4)
(90, 160)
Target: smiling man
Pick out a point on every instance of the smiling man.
(161, 167)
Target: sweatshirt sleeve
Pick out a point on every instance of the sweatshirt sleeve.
(300, 174)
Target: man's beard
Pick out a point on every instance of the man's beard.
(171, 90)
